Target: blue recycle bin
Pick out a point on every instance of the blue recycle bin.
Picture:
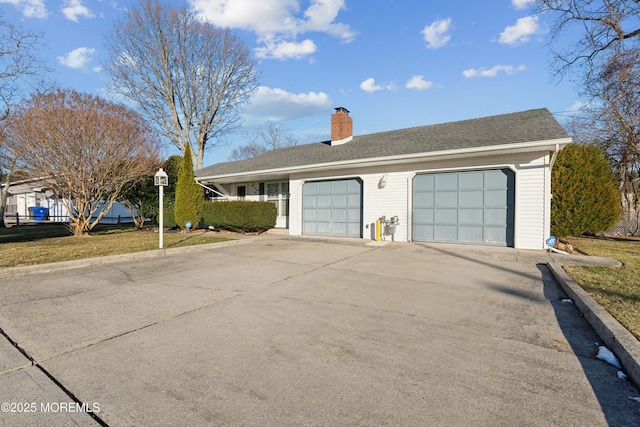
(39, 213)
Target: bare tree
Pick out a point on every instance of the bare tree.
(266, 137)
(602, 39)
(86, 150)
(188, 76)
(611, 120)
(18, 63)
(597, 26)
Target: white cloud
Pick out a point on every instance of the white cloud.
(492, 72)
(437, 34)
(370, 85)
(73, 9)
(521, 4)
(77, 58)
(521, 32)
(419, 83)
(277, 23)
(320, 16)
(277, 104)
(286, 50)
(30, 8)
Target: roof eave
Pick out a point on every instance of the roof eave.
(544, 145)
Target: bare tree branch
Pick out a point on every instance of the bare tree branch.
(266, 137)
(188, 77)
(593, 27)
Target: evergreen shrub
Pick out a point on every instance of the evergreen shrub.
(240, 216)
(585, 192)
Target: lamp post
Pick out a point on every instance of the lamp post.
(161, 179)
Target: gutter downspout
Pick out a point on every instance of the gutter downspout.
(554, 156)
(211, 189)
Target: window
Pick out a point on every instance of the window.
(278, 193)
(241, 191)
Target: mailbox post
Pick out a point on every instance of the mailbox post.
(161, 179)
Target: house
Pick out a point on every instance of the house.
(482, 181)
(24, 195)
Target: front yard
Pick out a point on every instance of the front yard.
(615, 289)
(42, 243)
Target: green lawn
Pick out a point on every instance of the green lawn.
(42, 243)
(615, 289)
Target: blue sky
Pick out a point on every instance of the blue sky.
(392, 63)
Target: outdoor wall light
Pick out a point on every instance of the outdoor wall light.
(383, 181)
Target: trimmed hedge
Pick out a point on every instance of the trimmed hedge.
(240, 216)
(168, 217)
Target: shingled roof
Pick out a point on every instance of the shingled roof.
(506, 129)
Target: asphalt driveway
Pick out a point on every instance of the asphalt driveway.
(279, 331)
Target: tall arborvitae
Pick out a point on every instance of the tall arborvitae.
(189, 195)
(585, 192)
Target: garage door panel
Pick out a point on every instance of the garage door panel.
(496, 179)
(422, 216)
(310, 228)
(446, 216)
(339, 187)
(323, 229)
(471, 199)
(425, 231)
(446, 182)
(355, 201)
(446, 232)
(424, 200)
(471, 216)
(323, 201)
(495, 235)
(309, 202)
(338, 229)
(339, 201)
(323, 187)
(332, 208)
(471, 180)
(495, 216)
(470, 234)
(339, 215)
(495, 198)
(469, 207)
(446, 199)
(424, 183)
(323, 215)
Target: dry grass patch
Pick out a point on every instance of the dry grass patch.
(615, 289)
(28, 245)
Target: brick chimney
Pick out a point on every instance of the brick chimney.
(341, 126)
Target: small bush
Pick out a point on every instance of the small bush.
(169, 218)
(240, 216)
(585, 192)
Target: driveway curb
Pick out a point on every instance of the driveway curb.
(88, 262)
(615, 336)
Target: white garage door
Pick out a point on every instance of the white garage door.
(332, 208)
(467, 207)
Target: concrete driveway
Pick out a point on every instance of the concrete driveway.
(280, 331)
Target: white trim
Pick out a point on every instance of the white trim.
(341, 141)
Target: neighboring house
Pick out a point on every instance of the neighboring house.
(30, 193)
(483, 181)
